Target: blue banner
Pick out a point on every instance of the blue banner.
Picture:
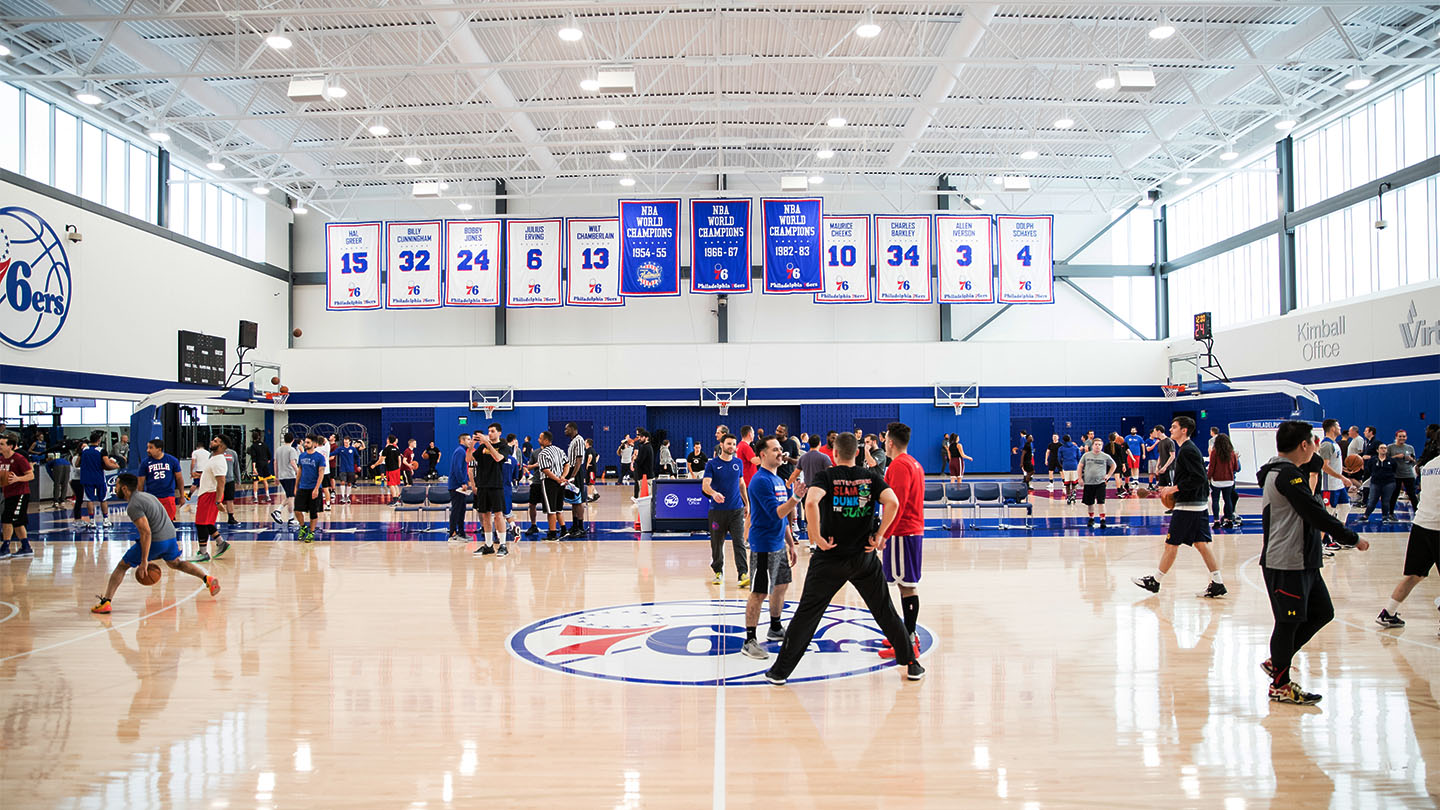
(649, 247)
(719, 246)
(792, 245)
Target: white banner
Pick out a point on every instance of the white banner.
(412, 254)
(845, 265)
(965, 259)
(532, 262)
(592, 250)
(902, 259)
(352, 265)
(472, 263)
(1027, 261)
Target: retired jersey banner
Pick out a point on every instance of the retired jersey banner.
(845, 265)
(649, 247)
(592, 255)
(792, 245)
(412, 252)
(472, 263)
(902, 259)
(965, 261)
(532, 262)
(353, 261)
(719, 246)
(1027, 259)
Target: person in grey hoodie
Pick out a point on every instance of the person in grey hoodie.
(1291, 557)
(1096, 466)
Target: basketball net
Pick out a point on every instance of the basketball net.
(1173, 391)
(959, 406)
(724, 407)
(489, 412)
(276, 398)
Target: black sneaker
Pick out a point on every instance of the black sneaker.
(502, 551)
(775, 679)
(232, 521)
(485, 550)
(1090, 523)
(1102, 524)
(1213, 590)
(913, 671)
(552, 537)
(775, 635)
(1388, 619)
(1150, 584)
(532, 531)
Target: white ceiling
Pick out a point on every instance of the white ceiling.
(486, 90)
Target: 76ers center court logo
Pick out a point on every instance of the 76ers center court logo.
(696, 643)
(34, 280)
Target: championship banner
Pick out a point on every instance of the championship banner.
(902, 259)
(719, 246)
(649, 247)
(1027, 259)
(845, 271)
(472, 263)
(966, 258)
(352, 265)
(792, 245)
(592, 251)
(532, 262)
(412, 252)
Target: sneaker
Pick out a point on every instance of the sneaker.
(1331, 545)
(1290, 693)
(224, 546)
(1090, 524)
(229, 520)
(103, 606)
(24, 552)
(1388, 619)
(203, 556)
(552, 537)
(275, 516)
(753, 649)
(1239, 520)
(532, 531)
(1217, 525)
(457, 538)
(1213, 590)
(1150, 584)
(718, 579)
(913, 671)
(394, 503)
(744, 581)
(213, 584)
(485, 550)
(775, 635)
(105, 523)
(775, 679)
(5, 554)
(1102, 524)
(306, 535)
(502, 551)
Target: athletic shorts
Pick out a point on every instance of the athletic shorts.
(489, 501)
(901, 559)
(1188, 528)
(288, 485)
(1335, 497)
(1165, 479)
(554, 496)
(769, 570)
(1423, 552)
(95, 492)
(229, 490)
(1094, 494)
(348, 477)
(206, 510)
(169, 504)
(1134, 463)
(307, 503)
(328, 483)
(159, 550)
(1291, 593)
(1069, 475)
(394, 478)
(262, 469)
(16, 511)
(727, 521)
(1151, 465)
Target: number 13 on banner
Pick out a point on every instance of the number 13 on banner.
(1027, 264)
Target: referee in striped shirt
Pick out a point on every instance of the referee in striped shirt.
(575, 473)
(549, 484)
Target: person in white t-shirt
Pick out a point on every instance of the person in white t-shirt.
(197, 464)
(210, 498)
(1423, 552)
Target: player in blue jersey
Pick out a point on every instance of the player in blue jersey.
(1136, 444)
(1069, 454)
(93, 464)
(307, 488)
(509, 475)
(159, 473)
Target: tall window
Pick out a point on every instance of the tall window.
(1237, 287)
(1232, 205)
(206, 211)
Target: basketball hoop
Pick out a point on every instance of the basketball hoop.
(276, 398)
(489, 411)
(1172, 391)
(959, 405)
(724, 407)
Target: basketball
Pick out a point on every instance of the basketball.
(1168, 499)
(296, 332)
(1354, 464)
(274, 380)
(148, 574)
(5, 477)
(284, 389)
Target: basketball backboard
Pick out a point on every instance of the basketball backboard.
(724, 394)
(957, 395)
(491, 400)
(1184, 369)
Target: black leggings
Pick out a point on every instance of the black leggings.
(1289, 637)
(1229, 495)
(79, 491)
(826, 576)
(1408, 485)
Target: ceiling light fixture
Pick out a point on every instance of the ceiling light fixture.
(1184, 180)
(1029, 154)
(300, 209)
(1359, 80)
(87, 95)
(868, 28)
(1162, 30)
(816, 179)
(1229, 153)
(627, 181)
(379, 130)
(261, 188)
(4, 51)
(978, 202)
(605, 123)
(1064, 123)
(413, 160)
(836, 122)
(570, 32)
(1106, 82)
(336, 91)
(1286, 124)
(215, 165)
(617, 156)
(464, 206)
(158, 135)
(589, 85)
(824, 153)
(277, 38)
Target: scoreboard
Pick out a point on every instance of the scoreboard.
(202, 359)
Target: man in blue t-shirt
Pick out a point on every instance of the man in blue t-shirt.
(460, 486)
(93, 464)
(729, 505)
(1152, 456)
(772, 546)
(1069, 453)
(307, 489)
(158, 472)
(1136, 445)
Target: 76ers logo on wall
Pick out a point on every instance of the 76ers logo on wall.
(696, 643)
(34, 280)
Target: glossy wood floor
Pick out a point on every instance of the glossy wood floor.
(374, 671)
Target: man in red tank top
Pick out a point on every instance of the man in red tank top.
(900, 551)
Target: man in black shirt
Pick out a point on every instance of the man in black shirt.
(643, 462)
(1052, 458)
(390, 457)
(1190, 522)
(489, 495)
(790, 447)
(841, 503)
(432, 456)
(696, 461)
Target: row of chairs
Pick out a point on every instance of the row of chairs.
(999, 495)
(436, 498)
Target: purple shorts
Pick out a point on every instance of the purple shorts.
(901, 559)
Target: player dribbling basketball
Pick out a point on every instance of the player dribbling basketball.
(156, 540)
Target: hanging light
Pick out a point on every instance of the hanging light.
(300, 209)
(824, 153)
(868, 28)
(379, 130)
(413, 160)
(158, 135)
(1162, 30)
(261, 188)
(570, 32)
(215, 165)
(605, 123)
(816, 179)
(277, 38)
(627, 181)
(1359, 80)
(1106, 82)
(1029, 154)
(1064, 123)
(618, 156)
(1184, 180)
(464, 206)
(1229, 153)
(590, 85)
(836, 122)
(1286, 124)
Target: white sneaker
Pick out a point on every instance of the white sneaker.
(753, 649)
(106, 523)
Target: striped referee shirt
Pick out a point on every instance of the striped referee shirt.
(551, 458)
(576, 456)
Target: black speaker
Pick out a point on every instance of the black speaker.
(249, 334)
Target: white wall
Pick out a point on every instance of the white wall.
(132, 292)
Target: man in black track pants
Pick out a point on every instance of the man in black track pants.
(840, 509)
